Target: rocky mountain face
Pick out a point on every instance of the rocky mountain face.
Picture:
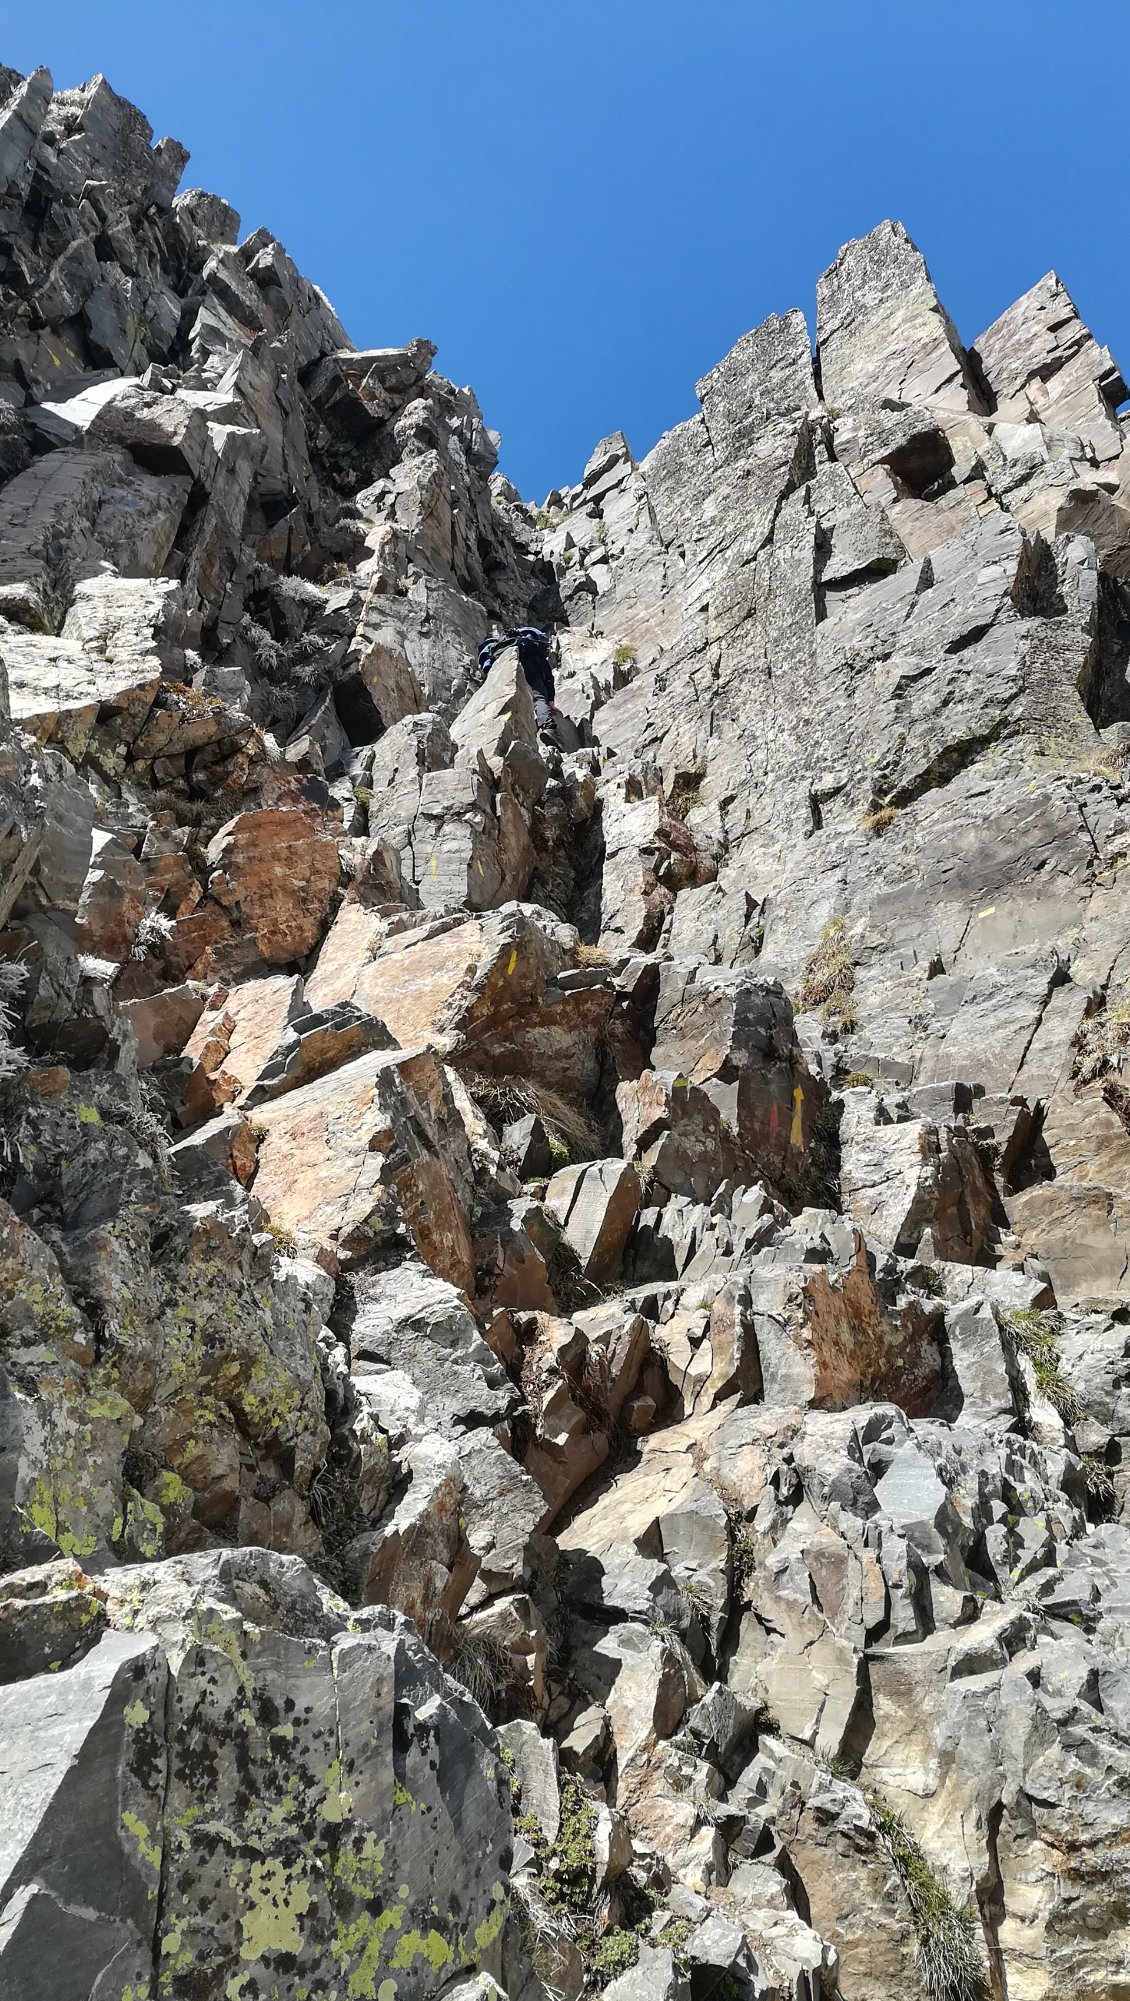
(564, 1342)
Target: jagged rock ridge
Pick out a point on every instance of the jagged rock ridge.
(640, 1226)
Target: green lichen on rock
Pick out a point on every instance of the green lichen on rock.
(430, 1946)
(490, 1929)
(361, 1946)
(147, 1845)
(36, 1309)
(276, 1897)
(74, 1493)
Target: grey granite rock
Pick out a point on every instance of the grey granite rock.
(783, 1433)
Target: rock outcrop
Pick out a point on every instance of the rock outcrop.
(563, 1308)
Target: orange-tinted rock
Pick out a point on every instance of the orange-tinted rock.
(50, 1081)
(420, 1560)
(509, 1266)
(486, 991)
(198, 942)
(312, 1044)
(162, 1022)
(233, 1038)
(169, 876)
(112, 903)
(732, 1033)
(228, 1140)
(581, 1372)
(677, 1134)
(276, 875)
(369, 1156)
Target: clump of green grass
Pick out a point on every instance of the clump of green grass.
(617, 1951)
(673, 1938)
(559, 1904)
(574, 1858)
(1096, 1478)
(1103, 1039)
(1035, 1336)
(856, 1080)
(838, 1765)
(929, 1280)
(568, 1866)
(285, 1241)
(623, 655)
(828, 980)
(743, 1551)
(946, 1946)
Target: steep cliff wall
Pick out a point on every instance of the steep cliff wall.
(563, 1304)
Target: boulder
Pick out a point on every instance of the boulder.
(85, 1827)
(731, 1035)
(596, 1205)
(112, 903)
(227, 1646)
(237, 1031)
(488, 992)
(903, 1178)
(275, 875)
(371, 1155)
(881, 331)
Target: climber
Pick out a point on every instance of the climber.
(534, 648)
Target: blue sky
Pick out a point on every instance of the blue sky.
(585, 202)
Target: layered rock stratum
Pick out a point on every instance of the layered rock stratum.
(563, 1309)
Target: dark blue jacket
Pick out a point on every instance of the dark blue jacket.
(533, 654)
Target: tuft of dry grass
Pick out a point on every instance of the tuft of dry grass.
(828, 980)
(879, 818)
(1110, 763)
(1102, 1041)
(504, 1099)
(480, 1662)
(686, 792)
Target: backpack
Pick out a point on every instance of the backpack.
(534, 654)
(490, 650)
(533, 650)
